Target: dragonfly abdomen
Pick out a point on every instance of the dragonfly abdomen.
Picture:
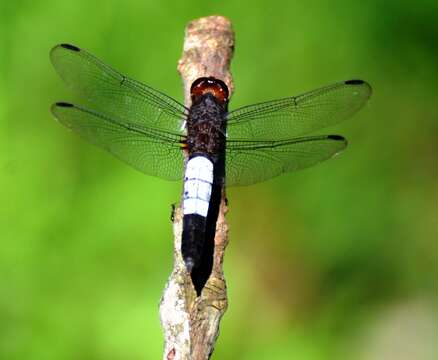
(198, 181)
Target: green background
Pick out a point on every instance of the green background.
(339, 261)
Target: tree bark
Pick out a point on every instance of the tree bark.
(191, 322)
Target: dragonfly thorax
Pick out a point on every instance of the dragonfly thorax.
(206, 124)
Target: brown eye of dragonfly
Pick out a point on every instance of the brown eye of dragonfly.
(209, 85)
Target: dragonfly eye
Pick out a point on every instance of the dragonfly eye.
(209, 85)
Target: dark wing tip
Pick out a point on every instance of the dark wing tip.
(70, 47)
(63, 104)
(336, 137)
(341, 141)
(357, 82)
(354, 82)
(61, 47)
(55, 107)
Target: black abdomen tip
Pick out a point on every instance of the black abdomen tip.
(354, 82)
(64, 104)
(70, 47)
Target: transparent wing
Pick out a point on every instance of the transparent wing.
(113, 94)
(152, 151)
(299, 115)
(250, 162)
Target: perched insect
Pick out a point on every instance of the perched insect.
(214, 147)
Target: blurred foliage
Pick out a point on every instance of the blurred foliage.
(335, 262)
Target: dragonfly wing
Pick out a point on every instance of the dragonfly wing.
(152, 151)
(299, 115)
(250, 162)
(113, 94)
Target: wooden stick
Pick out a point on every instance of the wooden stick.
(191, 323)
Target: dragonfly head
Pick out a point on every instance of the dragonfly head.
(209, 85)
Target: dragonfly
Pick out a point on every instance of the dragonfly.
(205, 145)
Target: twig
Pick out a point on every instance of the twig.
(191, 322)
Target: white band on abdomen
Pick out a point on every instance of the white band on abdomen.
(197, 186)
